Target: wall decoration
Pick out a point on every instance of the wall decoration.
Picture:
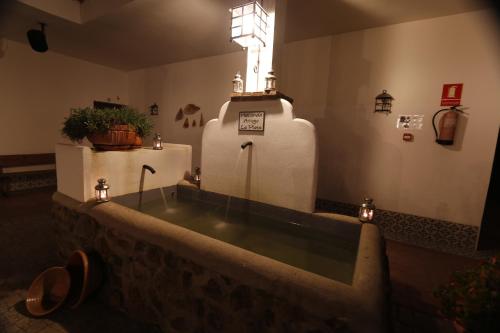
(202, 121)
(154, 109)
(252, 121)
(190, 109)
(383, 102)
(179, 115)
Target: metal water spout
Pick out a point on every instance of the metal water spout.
(246, 144)
(141, 183)
(150, 168)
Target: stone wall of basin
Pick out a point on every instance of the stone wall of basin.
(156, 284)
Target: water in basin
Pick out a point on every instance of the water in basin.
(324, 253)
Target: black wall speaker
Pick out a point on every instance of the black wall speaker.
(37, 39)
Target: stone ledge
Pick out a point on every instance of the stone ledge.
(444, 236)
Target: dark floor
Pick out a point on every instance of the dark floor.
(27, 247)
(415, 272)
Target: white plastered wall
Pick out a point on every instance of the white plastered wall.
(37, 90)
(79, 167)
(280, 168)
(335, 79)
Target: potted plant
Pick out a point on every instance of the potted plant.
(471, 298)
(108, 129)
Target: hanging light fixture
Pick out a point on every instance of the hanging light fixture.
(366, 210)
(157, 145)
(383, 102)
(101, 190)
(248, 24)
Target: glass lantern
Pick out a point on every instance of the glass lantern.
(366, 211)
(270, 82)
(383, 102)
(248, 24)
(157, 145)
(237, 84)
(101, 190)
(197, 176)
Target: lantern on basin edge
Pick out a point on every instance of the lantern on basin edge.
(383, 102)
(366, 211)
(157, 145)
(249, 24)
(101, 190)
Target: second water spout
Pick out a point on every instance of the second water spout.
(246, 144)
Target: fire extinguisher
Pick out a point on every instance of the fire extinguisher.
(447, 125)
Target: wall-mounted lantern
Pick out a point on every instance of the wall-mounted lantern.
(383, 102)
(248, 24)
(154, 109)
(366, 210)
(270, 82)
(237, 84)
(157, 145)
(101, 190)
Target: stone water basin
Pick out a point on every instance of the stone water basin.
(190, 263)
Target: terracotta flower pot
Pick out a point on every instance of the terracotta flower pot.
(48, 291)
(458, 327)
(86, 274)
(119, 137)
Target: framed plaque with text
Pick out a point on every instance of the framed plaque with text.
(252, 121)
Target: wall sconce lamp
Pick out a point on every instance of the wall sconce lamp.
(366, 210)
(154, 109)
(237, 84)
(383, 102)
(248, 24)
(157, 145)
(101, 190)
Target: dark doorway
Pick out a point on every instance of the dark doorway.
(107, 105)
(489, 237)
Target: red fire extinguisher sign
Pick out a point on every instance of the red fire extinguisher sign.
(452, 94)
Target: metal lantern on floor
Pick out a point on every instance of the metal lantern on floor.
(101, 190)
(383, 102)
(157, 145)
(270, 82)
(237, 84)
(366, 211)
(249, 24)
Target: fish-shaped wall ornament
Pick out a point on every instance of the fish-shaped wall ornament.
(179, 115)
(202, 121)
(186, 123)
(190, 109)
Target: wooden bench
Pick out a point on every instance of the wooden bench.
(26, 160)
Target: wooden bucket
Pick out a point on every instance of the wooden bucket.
(119, 137)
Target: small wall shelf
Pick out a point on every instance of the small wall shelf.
(259, 96)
